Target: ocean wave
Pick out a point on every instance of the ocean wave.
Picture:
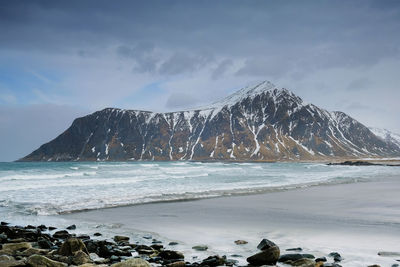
(41, 176)
(46, 208)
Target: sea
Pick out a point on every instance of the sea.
(52, 188)
(42, 192)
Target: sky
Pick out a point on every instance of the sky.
(63, 59)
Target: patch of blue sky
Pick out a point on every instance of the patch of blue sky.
(20, 85)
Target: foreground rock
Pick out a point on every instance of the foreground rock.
(336, 256)
(289, 258)
(42, 261)
(71, 246)
(136, 262)
(13, 248)
(120, 238)
(171, 255)
(8, 261)
(268, 256)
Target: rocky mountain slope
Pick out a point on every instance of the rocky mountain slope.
(390, 137)
(258, 123)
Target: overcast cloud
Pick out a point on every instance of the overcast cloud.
(73, 57)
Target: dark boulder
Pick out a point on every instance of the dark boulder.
(171, 255)
(42, 227)
(294, 257)
(120, 238)
(44, 243)
(71, 227)
(265, 244)
(63, 234)
(92, 246)
(105, 249)
(157, 247)
(268, 256)
(323, 259)
(213, 261)
(336, 256)
(72, 245)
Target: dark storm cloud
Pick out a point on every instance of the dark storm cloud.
(335, 29)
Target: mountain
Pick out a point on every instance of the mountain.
(390, 137)
(257, 123)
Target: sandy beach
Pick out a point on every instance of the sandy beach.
(357, 220)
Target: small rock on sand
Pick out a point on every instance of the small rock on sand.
(388, 254)
(200, 247)
(71, 227)
(294, 249)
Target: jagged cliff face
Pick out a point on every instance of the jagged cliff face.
(259, 123)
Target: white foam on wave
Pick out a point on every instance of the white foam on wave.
(55, 189)
(43, 176)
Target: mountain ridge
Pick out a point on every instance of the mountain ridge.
(257, 123)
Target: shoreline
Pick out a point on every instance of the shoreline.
(320, 218)
(235, 193)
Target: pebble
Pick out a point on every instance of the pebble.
(71, 227)
(388, 254)
(119, 238)
(294, 249)
(200, 248)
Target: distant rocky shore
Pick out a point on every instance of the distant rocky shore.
(43, 246)
(362, 163)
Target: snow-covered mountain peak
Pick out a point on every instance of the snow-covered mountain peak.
(264, 87)
(248, 91)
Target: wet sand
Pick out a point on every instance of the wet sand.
(358, 220)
